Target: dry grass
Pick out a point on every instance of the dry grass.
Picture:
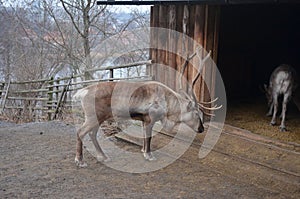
(251, 115)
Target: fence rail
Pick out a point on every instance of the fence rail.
(45, 99)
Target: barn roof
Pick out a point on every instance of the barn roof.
(216, 2)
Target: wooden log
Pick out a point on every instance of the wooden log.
(30, 91)
(30, 81)
(22, 107)
(29, 98)
(52, 80)
(55, 91)
(102, 68)
(145, 77)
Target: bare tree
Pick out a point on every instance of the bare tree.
(39, 41)
(83, 15)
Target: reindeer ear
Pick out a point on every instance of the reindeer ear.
(266, 87)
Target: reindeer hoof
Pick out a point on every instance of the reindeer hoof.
(283, 129)
(80, 163)
(272, 123)
(149, 156)
(103, 159)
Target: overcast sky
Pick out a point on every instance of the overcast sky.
(128, 8)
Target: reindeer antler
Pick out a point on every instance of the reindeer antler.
(201, 64)
(214, 100)
(203, 108)
(191, 94)
(183, 67)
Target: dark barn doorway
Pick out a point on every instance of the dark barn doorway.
(253, 40)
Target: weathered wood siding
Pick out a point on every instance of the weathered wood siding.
(199, 22)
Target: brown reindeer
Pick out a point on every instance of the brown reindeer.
(148, 102)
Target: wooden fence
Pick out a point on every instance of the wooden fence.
(46, 99)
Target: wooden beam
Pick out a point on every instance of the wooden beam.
(179, 59)
(162, 43)
(154, 41)
(172, 37)
(199, 39)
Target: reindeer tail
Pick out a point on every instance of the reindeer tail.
(80, 94)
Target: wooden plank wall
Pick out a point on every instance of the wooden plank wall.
(199, 22)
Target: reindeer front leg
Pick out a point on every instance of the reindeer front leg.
(147, 128)
(275, 104)
(270, 110)
(156, 112)
(284, 103)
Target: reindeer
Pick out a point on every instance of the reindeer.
(148, 102)
(282, 82)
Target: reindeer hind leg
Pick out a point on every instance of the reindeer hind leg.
(82, 131)
(100, 156)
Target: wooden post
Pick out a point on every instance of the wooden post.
(1, 89)
(111, 74)
(5, 96)
(60, 99)
(50, 96)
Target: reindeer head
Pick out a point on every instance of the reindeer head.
(268, 93)
(191, 115)
(192, 111)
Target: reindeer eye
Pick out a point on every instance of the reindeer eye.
(190, 106)
(194, 113)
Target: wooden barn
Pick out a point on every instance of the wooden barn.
(248, 39)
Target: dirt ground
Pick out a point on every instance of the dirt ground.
(37, 161)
